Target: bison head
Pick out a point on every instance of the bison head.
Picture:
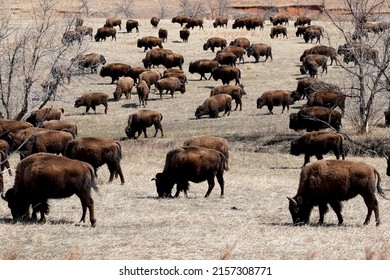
(205, 47)
(19, 207)
(163, 185)
(32, 119)
(140, 43)
(300, 212)
(260, 102)
(294, 122)
(200, 111)
(78, 103)
(295, 148)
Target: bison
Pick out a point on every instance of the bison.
(89, 61)
(115, 70)
(85, 30)
(124, 86)
(317, 59)
(194, 21)
(323, 50)
(184, 34)
(226, 58)
(103, 32)
(240, 42)
(139, 121)
(202, 66)
(12, 126)
(71, 36)
(315, 118)
(308, 85)
(5, 153)
(190, 163)
(170, 84)
(44, 114)
(279, 19)
(276, 30)
(154, 21)
(215, 104)
(44, 176)
(221, 21)
(387, 118)
(180, 74)
(143, 93)
(181, 19)
(163, 34)
(257, 50)
(236, 92)
(311, 34)
(91, 100)
(275, 98)
(331, 182)
(329, 99)
(131, 24)
(149, 42)
(318, 144)
(154, 57)
(214, 42)
(238, 51)
(150, 77)
(226, 73)
(111, 22)
(170, 60)
(302, 20)
(61, 125)
(97, 151)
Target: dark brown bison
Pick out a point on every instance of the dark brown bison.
(180, 74)
(301, 29)
(170, 60)
(7, 126)
(18, 139)
(330, 182)
(154, 57)
(318, 60)
(387, 118)
(328, 99)
(279, 19)
(318, 144)
(194, 21)
(111, 22)
(170, 84)
(257, 50)
(163, 34)
(310, 34)
(315, 118)
(43, 176)
(4, 154)
(214, 42)
(184, 34)
(142, 119)
(85, 31)
(226, 58)
(194, 164)
(226, 73)
(308, 85)
(221, 21)
(131, 24)
(97, 151)
(115, 70)
(323, 50)
(91, 100)
(124, 86)
(251, 22)
(213, 105)
(134, 73)
(239, 23)
(181, 19)
(238, 51)
(71, 36)
(276, 30)
(202, 66)
(150, 77)
(210, 142)
(149, 42)
(143, 93)
(61, 125)
(240, 42)
(44, 114)
(89, 61)
(236, 92)
(302, 20)
(154, 21)
(273, 98)
(103, 32)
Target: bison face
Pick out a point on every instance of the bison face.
(205, 47)
(293, 121)
(130, 132)
(163, 185)
(139, 43)
(295, 148)
(32, 119)
(302, 69)
(300, 212)
(78, 103)
(260, 102)
(19, 208)
(199, 112)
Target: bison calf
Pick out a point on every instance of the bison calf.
(91, 100)
(215, 104)
(139, 121)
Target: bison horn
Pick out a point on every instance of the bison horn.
(292, 201)
(3, 197)
(386, 157)
(154, 179)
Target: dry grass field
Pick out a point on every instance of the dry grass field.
(251, 222)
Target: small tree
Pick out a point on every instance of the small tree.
(367, 82)
(219, 7)
(193, 8)
(124, 7)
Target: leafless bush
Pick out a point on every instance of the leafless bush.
(124, 7)
(219, 7)
(193, 8)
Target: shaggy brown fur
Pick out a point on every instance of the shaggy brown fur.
(213, 105)
(91, 100)
(139, 121)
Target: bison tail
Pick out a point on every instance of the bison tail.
(93, 181)
(378, 185)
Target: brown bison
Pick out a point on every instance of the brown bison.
(154, 21)
(170, 60)
(124, 86)
(180, 74)
(330, 182)
(236, 92)
(44, 114)
(318, 60)
(388, 165)
(143, 93)
(170, 84)
(89, 61)
(302, 20)
(226, 58)
(275, 98)
(308, 85)
(276, 30)
(226, 73)
(60, 72)
(315, 118)
(318, 144)
(221, 21)
(213, 105)
(238, 51)
(279, 19)
(184, 35)
(323, 50)
(301, 29)
(85, 30)
(202, 66)
(329, 99)
(257, 50)
(240, 42)
(194, 164)
(5, 153)
(194, 21)
(134, 73)
(139, 121)
(61, 125)
(214, 42)
(150, 77)
(91, 100)
(163, 34)
(103, 32)
(251, 22)
(310, 34)
(181, 19)
(154, 57)
(71, 36)
(131, 24)
(115, 70)
(97, 151)
(149, 42)
(7, 126)
(111, 22)
(43, 176)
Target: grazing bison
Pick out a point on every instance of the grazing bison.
(240, 42)
(154, 57)
(194, 21)
(143, 93)
(181, 19)
(301, 29)
(318, 144)
(97, 151)
(214, 42)
(317, 59)
(103, 32)
(226, 58)
(154, 21)
(124, 86)
(315, 118)
(308, 85)
(301, 21)
(221, 21)
(44, 114)
(330, 182)
(311, 34)
(226, 73)
(257, 50)
(89, 61)
(131, 24)
(91, 100)
(170, 84)
(279, 19)
(184, 35)
(150, 77)
(323, 50)
(194, 164)
(71, 36)
(170, 60)
(236, 92)
(276, 30)
(213, 105)
(134, 73)
(139, 121)
(149, 42)
(202, 66)
(275, 98)
(180, 74)
(163, 34)
(387, 118)
(115, 70)
(111, 22)
(43, 176)
(85, 30)
(328, 99)
(238, 51)
(61, 125)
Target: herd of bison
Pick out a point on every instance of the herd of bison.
(56, 163)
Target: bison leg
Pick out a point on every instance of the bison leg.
(307, 159)
(211, 186)
(336, 206)
(323, 208)
(221, 183)
(87, 202)
(115, 169)
(372, 205)
(270, 107)
(87, 109)
(157, 126)
(105, 107)
(144, 131)
(182, 186)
